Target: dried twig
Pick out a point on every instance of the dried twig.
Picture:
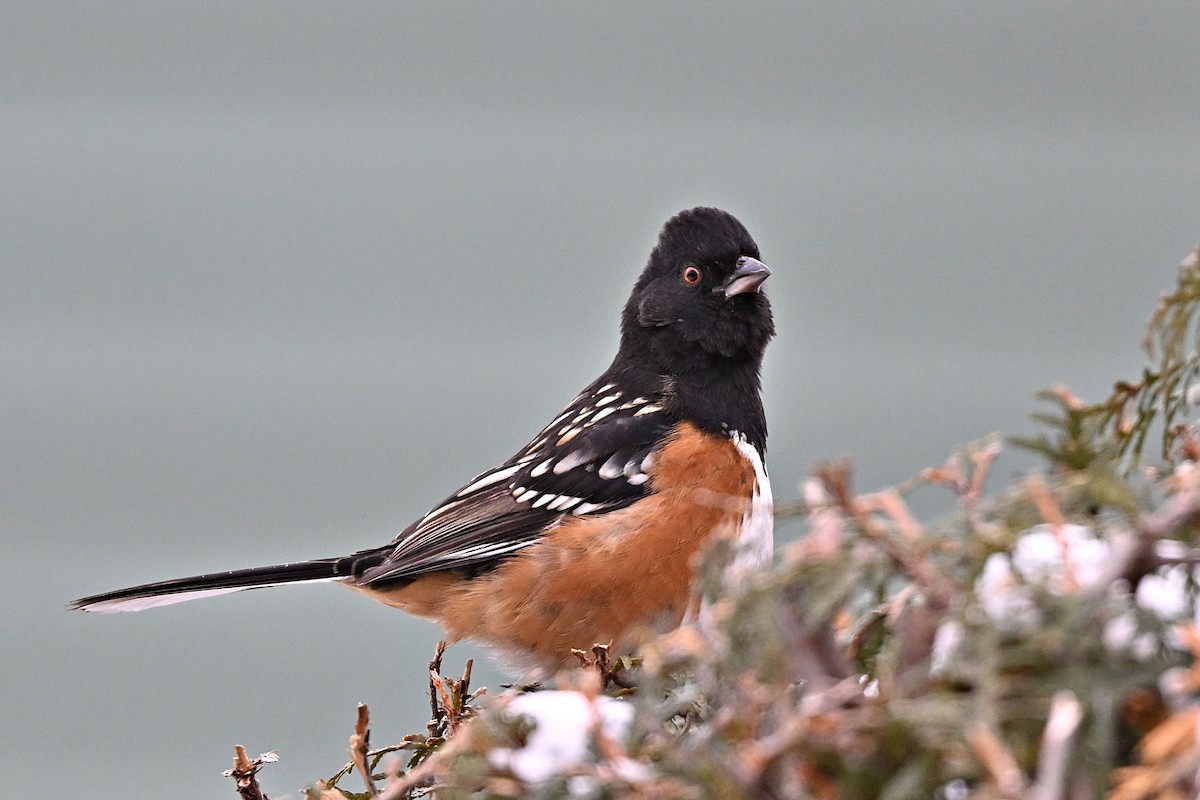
(598, 659)
(999, 762)
(436, 718)
(940, 590)
(360, 744)
(948, 473)
(1048, 507)
(450, 703)
(1133, 554)
(612, 672)
(891, 503)
(425, 771)
(449, 698)
(373, 758)
(1058, 740)
(245, 770)
(982, 457)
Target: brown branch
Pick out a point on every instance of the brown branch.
(999, 762)
(449, 698)
(437, 718)
(445, 702)
(360, 745)
(758, 757)
(424, 772)
(464, 685)
(1048, 507)
(245, 770)
(939, 589)
(890, 502)
(949, 473)
(982, 458)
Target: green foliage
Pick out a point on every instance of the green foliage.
(1156, 406)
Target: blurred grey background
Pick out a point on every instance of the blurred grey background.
(274, 278)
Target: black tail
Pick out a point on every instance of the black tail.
(136, 598)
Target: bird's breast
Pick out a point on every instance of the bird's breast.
(604, 577)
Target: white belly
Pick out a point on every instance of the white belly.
(756, 539)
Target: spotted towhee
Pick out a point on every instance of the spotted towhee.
(591, 532)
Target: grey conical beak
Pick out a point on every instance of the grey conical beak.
(747, 277)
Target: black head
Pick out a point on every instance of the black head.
(697, 303)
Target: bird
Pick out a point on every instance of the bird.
(592, 532)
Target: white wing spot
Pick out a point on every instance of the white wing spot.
(488, 479)
(567, 436)
(564, 502)
(637, 479)
(557, 420)
(541, 469)
(611, 468)
(544, 499)
(603, 401)
(572, 460)
(527, 495)
(601, 414)
(442, 509)
(490, 549)
(650, 409)
(605, 388)
(587, 508)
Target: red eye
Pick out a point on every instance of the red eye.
(691, 275)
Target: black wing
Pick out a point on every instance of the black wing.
(592, 459)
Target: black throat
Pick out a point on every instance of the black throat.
(719, 395)
(723, 398)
